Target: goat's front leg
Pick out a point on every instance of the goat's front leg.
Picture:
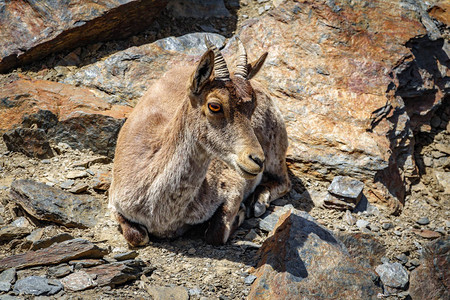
(272, 187)
(227, 218)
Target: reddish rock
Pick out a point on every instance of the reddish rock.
(55, 254)
(30, 30)
(441, 12)
(431, 280)
(427, 234)
(116, 273)
(302, 260)
(73, 115)
(22, 97)
(102, 181)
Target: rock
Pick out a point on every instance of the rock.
(21, 222)
(117, 273)
(7, 278)
(365, 247)
(347, 188)
(9, 232)
(79, 188)
(126, 256)
(92, 161)
(78, 281)
(31, 142)
(76, 174)
(427, 234)
(59, 271)
(387, 226)
(402, 258)
(362, 224)
(393, 275)
(198, 8)
(349, 218)
(55, 254)
(167, 293)
(83, 118)
(333, 202)
(127, 74)
(430, 280)
(270, 219)
(32, 30)
(423, 221)
(51, 204)
(102, 181)
(38, 286)
(67, 184)
(86, 263)
(249, 279)
(303, 258)
(45, 243)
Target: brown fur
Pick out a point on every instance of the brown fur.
(179, 164)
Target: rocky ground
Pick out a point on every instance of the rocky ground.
(187, 267)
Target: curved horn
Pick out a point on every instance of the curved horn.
(220, 66)
(241, 68)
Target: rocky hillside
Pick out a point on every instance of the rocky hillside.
(364, 90)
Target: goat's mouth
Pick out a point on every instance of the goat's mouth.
(247, 174)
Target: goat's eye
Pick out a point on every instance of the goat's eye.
(215, 107)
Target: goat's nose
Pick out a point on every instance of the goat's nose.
(257, 159)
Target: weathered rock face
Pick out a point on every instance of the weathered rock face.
(32, 29)
(74, 115)
(431, 280)
(330, 65)
(302, 260)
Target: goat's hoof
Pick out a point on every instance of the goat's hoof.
(259, 209)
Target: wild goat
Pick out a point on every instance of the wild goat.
(194, 148)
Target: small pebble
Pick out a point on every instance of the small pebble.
(192, 251)
(249, 279)
(46, 161)
(387, 226)
(423, 221)
(261, 10)
(402, 258)
(349, 218)
(397, 233)
(374, 228)
(362, 224)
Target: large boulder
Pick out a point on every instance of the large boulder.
(303, 260)
(30, 30)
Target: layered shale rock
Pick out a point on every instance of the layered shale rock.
(29, 30)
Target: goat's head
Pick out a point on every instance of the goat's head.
(225, 105)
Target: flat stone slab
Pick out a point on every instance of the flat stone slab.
(52, 204)
(116, 273)
(55, 254)
(38, 286)
(78, 281)
(9, 232)
(346, 187)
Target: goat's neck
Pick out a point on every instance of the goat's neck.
(184, 161)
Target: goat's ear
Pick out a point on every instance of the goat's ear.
(255, 66)
(203, 72)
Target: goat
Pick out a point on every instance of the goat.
(198, 144)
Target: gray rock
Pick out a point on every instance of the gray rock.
(346, 187)
(7, 278)
(270, 219)
(67, 184)
(38, 286)
(8, 233)
(125, 256)
(393, 275)
(76, 174)
(423, 221)
(249, 279)
(362, 224)
(47, 242)
(78, 281)
(387, 226)
(51, 204)
(349, 218)
(20, 222)
(59, 270)
(402, 258)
